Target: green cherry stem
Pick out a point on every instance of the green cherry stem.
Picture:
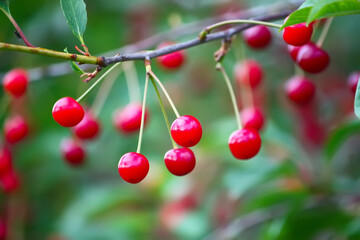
(132, 81)
(163, 111)
(97, 82)
(143, 113)
(324, 32)
(232, 93)
(151, 73)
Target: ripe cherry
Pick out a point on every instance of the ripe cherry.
(312, 58)
(128, 119)
(5, 160)
(186, 131)
(298, 34)
(173, 60)
(133, 167)
(72, 151)
(293, 51)
(257, 37)
(88, 128)
(180, 161)
(252, 118)
(67, 112)
(9, 181)
(353, 80)
(247, 72)
(244, 143)
(300, 90)
(16, 81)
(15, 129)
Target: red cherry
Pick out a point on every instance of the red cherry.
(133, 167)
(353, 80)
(67, 112)
(15, 129)
(128, 119)
(16, 81)
(9, 181)
(257, 37)
(72, 151)
(172, 60)
(298, 34)
(293, 51)
(244, 143)
(5, 160)
(180, 161)
(88, 128)
(3, 229)
(252, 118)
(186, 131)
(300, 90)
(248, 71)
(312, 59)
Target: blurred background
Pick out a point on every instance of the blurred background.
(304, 183)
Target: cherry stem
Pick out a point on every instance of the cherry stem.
(163, 111)
(143, 113)
(232, 93)
(324, 32)
(151, 73)
(207, 30)
(132, 81)
(97, 82)
(18, 29)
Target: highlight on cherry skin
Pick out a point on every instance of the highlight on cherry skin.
(298, 34)
(133, 167)
(67, 112)
(15, 82)
(312, 59)
(244, 143)
(257, 37)
(248, 71)
(252, 117)
(300, 90)
(72, 151)
(353, 80)
(180, 161)
(127, 120)
(15, 129)
(88, 128)
(171, 61)
(186, 131)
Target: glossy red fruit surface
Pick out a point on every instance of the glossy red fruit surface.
(88, 128)
(173, 60)
(186, 131)
(16, 81)
(252, 118)
(257, 37)
(293, 51)
(133, 167)
(353, 80)
(300, 90)
(72, 151)
(5, 160)
(244, 143)
(67, 112)
(180, 161)
(15, 129)
(128, 119)
(248, 71)
(312, 59)
(9, 181)
(298, 34)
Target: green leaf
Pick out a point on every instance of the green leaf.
(73, 65)
(76, 16)
(299, 16)
(4, 6)
(357, 100)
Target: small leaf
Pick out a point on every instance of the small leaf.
(76, 16)
(333, 8)
(4, 6)
(74, 66)
(299, 16)
(357, 101)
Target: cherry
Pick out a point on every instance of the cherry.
(244, 143)
(88, 128)
(300, 90)
(312, 58)
(133, 167)
(15, 129)
(353, 80)
(248, 71)
(67, 112)
(298, 34)
(180, 161)
(5, 160)
(293, 51)
(173, 60)
(252, 118)
(72, 151)
(16, 81)
(128, 119)
(9, 181)
(257, 37)
(186, 131)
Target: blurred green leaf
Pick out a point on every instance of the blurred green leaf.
(76, 16)
(357, 101)
(73, 65)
